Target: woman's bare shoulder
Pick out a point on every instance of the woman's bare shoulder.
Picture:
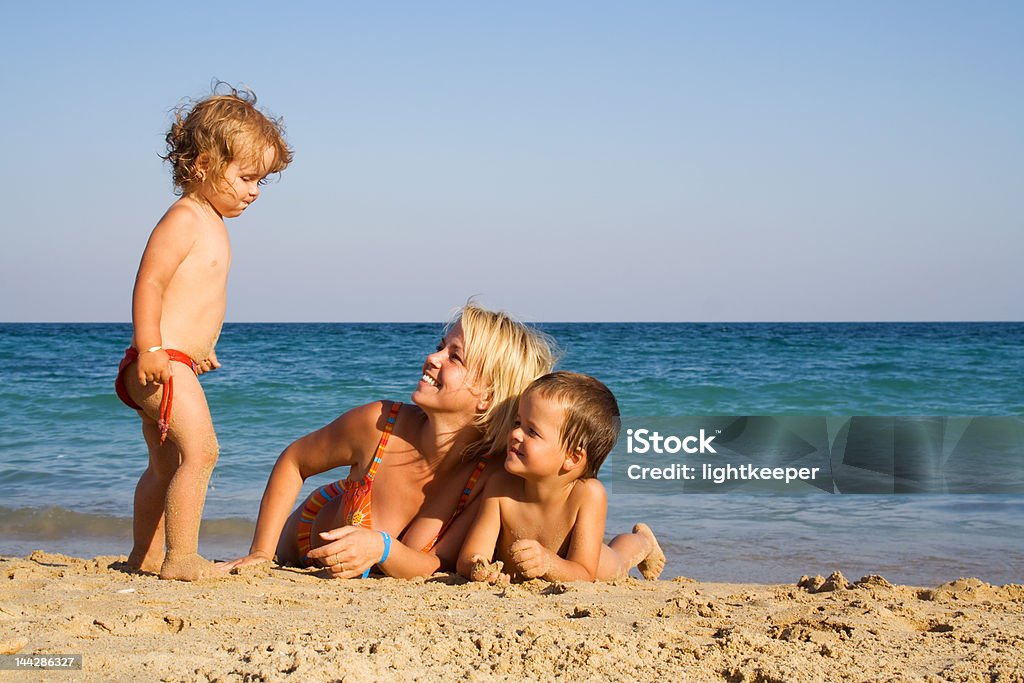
(362, 422)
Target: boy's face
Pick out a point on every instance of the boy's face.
(240, 185)
(534, 447)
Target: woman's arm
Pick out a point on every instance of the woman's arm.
(334, 445)
(352, 550)
(283, 487)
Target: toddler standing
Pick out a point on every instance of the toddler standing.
(221, 149)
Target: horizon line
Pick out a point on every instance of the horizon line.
(548, 322)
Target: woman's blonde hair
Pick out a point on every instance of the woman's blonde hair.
(504, 356)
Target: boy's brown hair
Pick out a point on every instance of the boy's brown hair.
(224, 127)
(591, 414)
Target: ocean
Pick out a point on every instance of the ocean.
(71, 453)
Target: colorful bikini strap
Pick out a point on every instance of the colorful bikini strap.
(378, 454)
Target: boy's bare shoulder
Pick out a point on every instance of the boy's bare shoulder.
(589, 491)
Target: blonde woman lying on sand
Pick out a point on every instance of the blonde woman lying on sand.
(404, 506)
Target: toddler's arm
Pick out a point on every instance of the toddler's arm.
(580, 564)
(478, 549)
(168, 245)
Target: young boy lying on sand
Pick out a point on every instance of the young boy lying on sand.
(544, 516)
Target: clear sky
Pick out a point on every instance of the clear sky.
(565, 161)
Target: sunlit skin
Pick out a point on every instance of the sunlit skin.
(541, 519)
(417, 485)
(534, 450)
(181, 288)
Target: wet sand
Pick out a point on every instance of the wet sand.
(274, 622)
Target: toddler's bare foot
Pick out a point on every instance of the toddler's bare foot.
(186, 567)
(149, 564)
(651, 566)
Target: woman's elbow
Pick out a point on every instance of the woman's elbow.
(291, 462)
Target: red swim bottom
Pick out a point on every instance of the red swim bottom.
(131, 354)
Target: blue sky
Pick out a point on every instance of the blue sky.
(564, 161)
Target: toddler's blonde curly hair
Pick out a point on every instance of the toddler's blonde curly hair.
(226, 126)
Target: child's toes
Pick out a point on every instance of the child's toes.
(651, 566)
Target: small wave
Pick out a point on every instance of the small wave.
(57, 523)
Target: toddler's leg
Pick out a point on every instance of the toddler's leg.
(191, 429)
(150, 496)
(639, 549)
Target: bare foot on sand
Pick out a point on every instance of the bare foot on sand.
(186, 567)
(148, 564)
(651, 566)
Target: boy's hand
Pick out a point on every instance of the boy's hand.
(207, 364)
(487, 571)
(153, 366)
(532, 560)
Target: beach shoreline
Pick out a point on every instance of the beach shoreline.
(272, 622)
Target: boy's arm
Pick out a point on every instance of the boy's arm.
(587, 535)
(483, 537)
(168, 245)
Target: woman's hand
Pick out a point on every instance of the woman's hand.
(250, 560)
(351, 551)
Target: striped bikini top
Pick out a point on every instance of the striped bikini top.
(357, 494)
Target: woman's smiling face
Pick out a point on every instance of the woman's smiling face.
(447, 383)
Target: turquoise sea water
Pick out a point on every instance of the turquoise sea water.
(71, 453)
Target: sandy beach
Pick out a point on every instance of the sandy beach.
(274, 622)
